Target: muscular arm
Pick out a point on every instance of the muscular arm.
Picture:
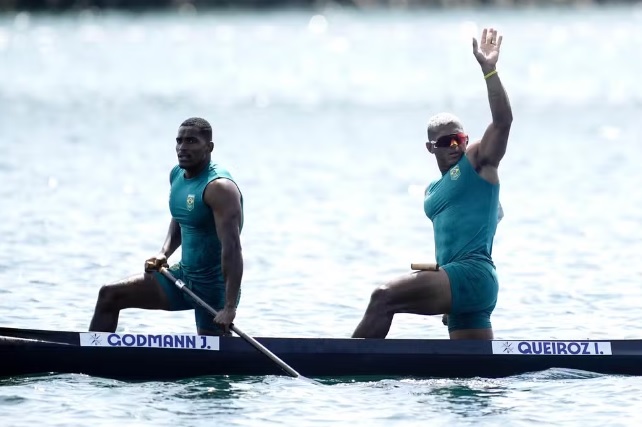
(173, 239)
(224, 198)
(493, 144)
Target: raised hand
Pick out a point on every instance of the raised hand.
(487, 51)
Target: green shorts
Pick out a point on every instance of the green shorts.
(474, 287)
(212, 294)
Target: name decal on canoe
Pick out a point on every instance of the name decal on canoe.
(178, 341)
(553, 348)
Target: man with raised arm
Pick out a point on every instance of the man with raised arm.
(207, 217)
(463, 206)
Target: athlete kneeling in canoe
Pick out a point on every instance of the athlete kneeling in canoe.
(463, 207)
(207, 217)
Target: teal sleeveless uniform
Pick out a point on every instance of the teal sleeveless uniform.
(464, 209)
(200, 265)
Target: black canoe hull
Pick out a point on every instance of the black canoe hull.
(34, 352)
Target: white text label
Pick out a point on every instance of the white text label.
(177, 341)
(553, 348)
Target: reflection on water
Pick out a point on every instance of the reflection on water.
(470, 398)
(224, 387)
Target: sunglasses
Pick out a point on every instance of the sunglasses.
(454, 139)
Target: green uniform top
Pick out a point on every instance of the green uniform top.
(463, 208)
(201, 247)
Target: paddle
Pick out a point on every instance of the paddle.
(424, 266)
(181, 285)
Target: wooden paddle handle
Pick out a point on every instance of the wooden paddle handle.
(424, 266)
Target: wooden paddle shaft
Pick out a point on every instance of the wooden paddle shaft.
(252, 341)
(424, 266)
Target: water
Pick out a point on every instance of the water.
(322, 121)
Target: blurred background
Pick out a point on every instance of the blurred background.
(319, 110)
(191, 4)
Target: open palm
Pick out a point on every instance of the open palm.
(487, 50)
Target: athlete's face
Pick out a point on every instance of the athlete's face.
(448, 143)
(192, 148)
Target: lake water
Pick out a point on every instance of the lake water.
(321, 119)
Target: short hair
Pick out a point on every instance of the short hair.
(438, 121)
(203, 126)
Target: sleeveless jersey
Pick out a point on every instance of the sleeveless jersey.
(463, 208)
(201, 247)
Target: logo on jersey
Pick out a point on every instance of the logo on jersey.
(190, 202)
(455, 173)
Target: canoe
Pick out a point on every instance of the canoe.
(157, 357)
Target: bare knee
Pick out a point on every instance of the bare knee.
(110, 298)
(380, 299)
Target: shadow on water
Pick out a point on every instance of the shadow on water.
(460, 396)
(225, 381)
(474, 398)
(465, 397)
(224, 387)
(483, 397)
(231, 382)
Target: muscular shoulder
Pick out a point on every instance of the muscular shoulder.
(473, 152)
(221, 191)
(482, 166)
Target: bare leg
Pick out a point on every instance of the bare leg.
(422, 292)
(140, 291)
